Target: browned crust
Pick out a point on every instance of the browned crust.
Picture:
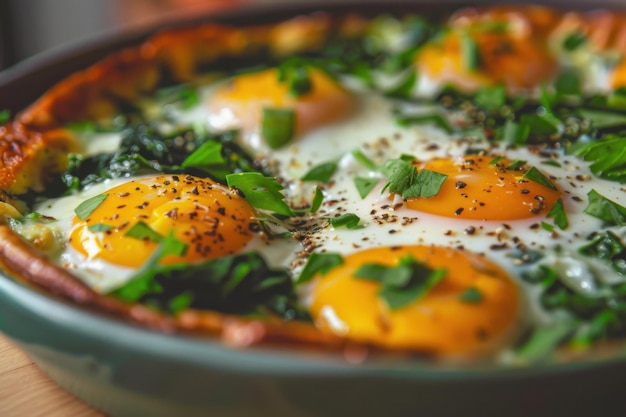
(35, 145)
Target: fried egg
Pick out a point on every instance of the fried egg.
(497, 199)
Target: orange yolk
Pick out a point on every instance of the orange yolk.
(516, 62)
(439, 322)
(244, 97)
(211, 219)
(618, 76)
(479, 190)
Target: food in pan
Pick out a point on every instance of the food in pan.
(450, 189)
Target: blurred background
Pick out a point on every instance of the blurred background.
(28, 27)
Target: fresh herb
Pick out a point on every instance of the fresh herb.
(608, 247)
(540, 125)
(432, 118)
(99, 227)
(142, 231)
(470, 52)
(568, 83)
(515, 133)
(491, 98)
(608, 156)
(145, 150)
(516, 164)
(238, 284)
(604, 119)
(318, 199)
(402, 284)
(260, 191)
(404, 179)
(547, 227)
(295, 73)
(278, 126)
(321, 173)
(405, 88)
(5, 116)
(533, 174)
(88, 206)
(472, 295)
(560, 216)
(185, 95)
(543, 340)
(348, 220)
(365, 185)
(574, 40)
(601, 207)
(319, 263)
(496, 160)
(364, 160)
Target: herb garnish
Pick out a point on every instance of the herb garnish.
(533, 174)
(278, 126)
(349, 220)
(608, 156)
(560, 216)
(603, 208)
(402, 284)
(472, 295)
(319, 263)
(142, 231)
(404, 179)
(321, 173)
(99, 227)
(237, 284)
(365, 184)
(5, 116)
(260, 191)
(88, 206)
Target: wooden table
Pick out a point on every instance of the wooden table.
(26, 391)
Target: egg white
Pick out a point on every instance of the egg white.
(374, 131)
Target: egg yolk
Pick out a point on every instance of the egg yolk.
(240, 101)
(478, 188)
(471, 59)
(442, 321)
(618, 75)
(209, 218)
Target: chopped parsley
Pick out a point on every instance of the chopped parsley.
(319, 263)
(348, 220)
(404, 179)
(278, 126)
(88, 206)
(402, 284)
(321, 173)
(260, 191)
(601, 207)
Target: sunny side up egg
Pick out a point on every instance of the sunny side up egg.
(488, 205)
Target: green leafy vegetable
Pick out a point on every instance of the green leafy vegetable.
(608, 156)
(405, 88)
(88, 206)
(319, 263)
(321, 173)
(533, 174)
(574, 40)
(349, 220)
(603, 208)
(491, 98)
(435, 118)
(295, 72)
(402, 284)
(404, 179)
(237, 284)
(142, 231)
(318, 199)
(543, 341)
(470, 53)
(365, 184)
(260, 191)
(515, 133)
(5, 116)
(604, 119)
(560, 216)
(364, 160)
(472, 295)
(608, 247)
(99, 227)
(278, 126)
